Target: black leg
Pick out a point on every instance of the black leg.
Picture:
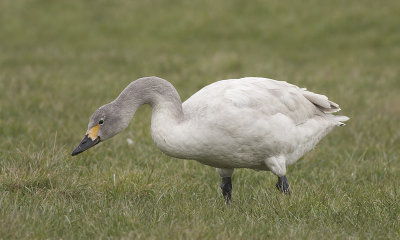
(226, 187)
(283, 185)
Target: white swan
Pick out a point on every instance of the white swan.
(255, 123)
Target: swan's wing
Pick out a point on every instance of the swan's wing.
(321, 102)
(259, 97)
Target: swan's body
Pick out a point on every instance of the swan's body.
(255, 123)
(242, 122)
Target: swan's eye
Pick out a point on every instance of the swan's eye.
(101, 122)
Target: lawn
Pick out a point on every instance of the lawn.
(61, 60)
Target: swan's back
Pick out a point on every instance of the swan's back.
(264, 95)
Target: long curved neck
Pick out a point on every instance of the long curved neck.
(157, 92)
(167, 113)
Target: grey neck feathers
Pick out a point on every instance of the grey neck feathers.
(157, 92)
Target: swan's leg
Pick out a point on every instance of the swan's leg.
(226, 187)
(277, 165)
(226, 184)
(283, 185)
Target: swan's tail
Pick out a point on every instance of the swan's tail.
(325, 105)
(340, 119)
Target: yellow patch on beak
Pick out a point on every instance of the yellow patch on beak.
(92, 133)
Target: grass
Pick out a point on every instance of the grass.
(60, 60)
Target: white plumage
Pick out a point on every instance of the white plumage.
(241, 123)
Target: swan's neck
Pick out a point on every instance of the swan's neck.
(166, 106)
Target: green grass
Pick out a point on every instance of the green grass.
(60, 60)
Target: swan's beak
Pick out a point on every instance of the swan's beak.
(88, 141)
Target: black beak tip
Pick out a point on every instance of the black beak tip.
(75, 152)
(85, 144)
(78, 150)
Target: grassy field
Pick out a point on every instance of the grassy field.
(60, 60)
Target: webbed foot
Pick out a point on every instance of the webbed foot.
(283, 185)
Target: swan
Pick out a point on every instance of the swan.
(256, 123)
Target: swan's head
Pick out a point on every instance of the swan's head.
(104, 124)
